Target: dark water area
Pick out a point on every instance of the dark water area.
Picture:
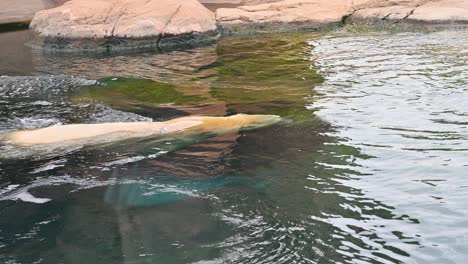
(368, 165)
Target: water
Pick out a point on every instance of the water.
(367, 167)
(404, 105)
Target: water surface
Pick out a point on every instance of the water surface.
(368, 165)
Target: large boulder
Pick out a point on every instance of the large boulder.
(442, 11)
(285, 15)
(412, 10)
(113, 24)
(295, 15)
(21, 11)
(385, 10)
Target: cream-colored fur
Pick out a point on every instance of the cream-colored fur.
(88, 134)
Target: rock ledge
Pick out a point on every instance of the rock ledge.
(123, 24)
(282, 15)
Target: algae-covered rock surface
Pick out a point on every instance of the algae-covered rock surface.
(262, 77)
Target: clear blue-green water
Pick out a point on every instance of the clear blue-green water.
(369, 164)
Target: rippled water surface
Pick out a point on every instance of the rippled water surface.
(368, 165)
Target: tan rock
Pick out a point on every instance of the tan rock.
(442, 10)
(421, 10)
(216, 4)
(385, 10)
(291, 15)
(309, 13)
(126, 19)
(20, 11)
(368, 4)
(384, 13)
(236, 2)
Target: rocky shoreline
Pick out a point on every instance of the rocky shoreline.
(165, 24)
(169, 42)
(277, 16)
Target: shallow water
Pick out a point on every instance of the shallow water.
(368, 165)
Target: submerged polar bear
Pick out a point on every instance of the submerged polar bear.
(91, 134)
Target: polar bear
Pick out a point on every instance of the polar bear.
(91, 134)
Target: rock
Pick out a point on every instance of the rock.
(114, 24)
(384, 13)
(367, 4)
(419, 10)
(286, 15)
(21, 11)
(384, 10)
(213, 5)
(237, 2)
(297, 15)
(442, 11)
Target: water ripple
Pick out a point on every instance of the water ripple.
(401, 99)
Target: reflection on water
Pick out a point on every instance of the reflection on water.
(401, 99)
(16, 58)
(175, 66)
(368, 165)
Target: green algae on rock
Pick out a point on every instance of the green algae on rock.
(272, 75)
(271, 61)
(118, 92)
(268, 75)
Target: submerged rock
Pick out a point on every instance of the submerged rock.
(123, 24)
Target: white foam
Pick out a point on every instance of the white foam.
(47, 168)
(16, 193)
(12, 192)
(9, 188)
(27, 197)
(133, 159)
(125, 161)
(42, 103)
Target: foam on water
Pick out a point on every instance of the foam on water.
(48, 87)
(50, 166)
(39, 101)
(27, 197)
(128, 160)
